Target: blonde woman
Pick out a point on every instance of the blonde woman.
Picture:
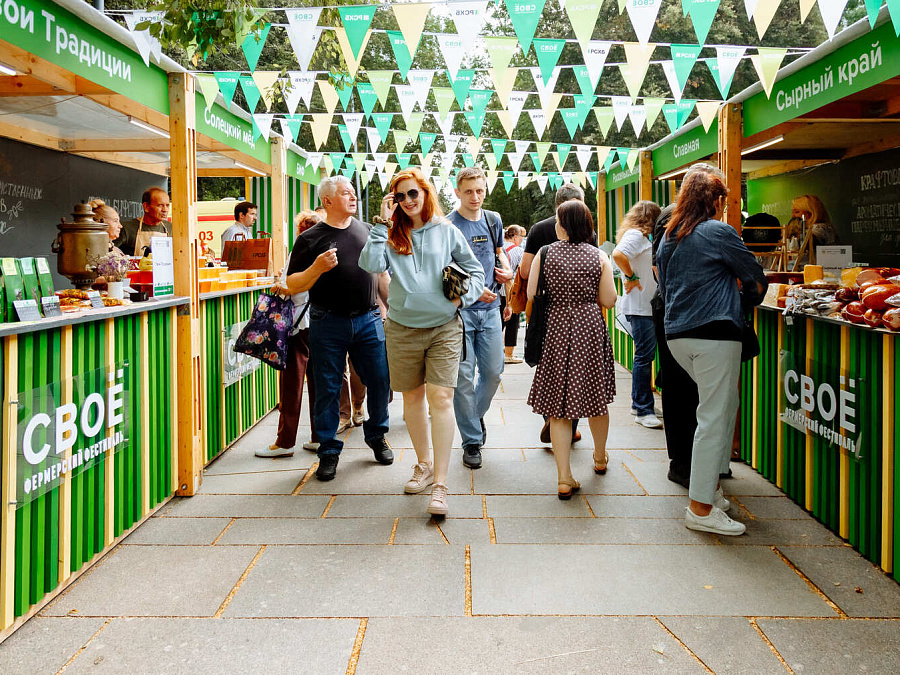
(633, 255)
(809, 209)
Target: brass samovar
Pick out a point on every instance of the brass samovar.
(78, 242)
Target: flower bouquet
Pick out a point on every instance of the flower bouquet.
(113, 267)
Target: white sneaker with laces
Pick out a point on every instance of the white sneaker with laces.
(656, 411)
(649, 421)
(720, 502)
(716, 522)
(423, 476)
(438, 504)
(274, 451)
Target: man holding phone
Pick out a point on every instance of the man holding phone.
(343, 319)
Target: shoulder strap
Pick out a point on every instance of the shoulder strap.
(491, 226)
(542, 280)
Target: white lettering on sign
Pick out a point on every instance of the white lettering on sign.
(685, 148)
(231, 130)
(820, 402)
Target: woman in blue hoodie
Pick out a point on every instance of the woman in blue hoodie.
(423, 328)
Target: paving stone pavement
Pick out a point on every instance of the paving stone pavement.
(268, 568)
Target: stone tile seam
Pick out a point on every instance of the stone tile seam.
(818, 591)
(492, 530)
(83, 647)
(328, 506)
(312, 617)
(441, 532)
(394, 531)
(254, 473)
(775, 651)
(750, 514)
(468, 579)
(511, 543)
(689, 651)
(303, 481)
(240, 581)
(482, 517)
(357, 646)
(625, 466)
(222, 533)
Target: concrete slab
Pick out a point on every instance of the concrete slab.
(853, 645)
(638, 580)
(258, 531)
(773, 507)
(634, 436)
(763, 532)
(536, 506)
(401, 506)
(653, 477)
(595, 531)
(725, 644)
(460, 531)
(746, 481)
(157, 581)
(249, 506)
(44, 645)
(523, 645)
(360, 474)
(646, 506)
(271, 483)
(857, 586)
(240, 459)
(178, 531)
(221, 646)
(353, 581)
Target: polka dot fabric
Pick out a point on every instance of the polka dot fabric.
(576, 376)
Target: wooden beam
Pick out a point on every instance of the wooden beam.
(232, 173)
(601, 207)
(8, 455)
(28, 64)
(280, 229)
(30, 136)
(127, 107)
(731, 121)
(646, 172)
(25, 85)
(887, 143)
(787, 167)
(778, 130)
(246, 160)
(102, 145)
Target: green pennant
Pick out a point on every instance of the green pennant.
(499, 147)
(684, 57)
(383, 124)
(468, 160)
(480, 99)
(228, 83)
(542, 149)
(461, 86)
(605, 117)
(536, 160)
(873, 7)
(583, 105)
(443, 96)
(345, 137)
(500, 50)
(401, 52)
(426, 140)
(251, 92)
(403, 159)
(253, 46)
(414, 123)
(570, 117)
(524, 17)
(337, 159)
(347, 172)
(724, 87)
(381, 83)
(702, 13)
(350, 164)
(563, 149)
(622, 155)
(367, 97)
(548, 52)
(356, 20)
(610, 158)
(401, 139)
(653, 106)
(209, 86)
(345, 94)
(475, 121)
(556, 180)
(584, 79)
(670, 112)
(685, 108)
(509, 178)
(293, 125)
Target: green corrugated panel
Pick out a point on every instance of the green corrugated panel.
(213, 341)
(128, 459)
(231, 393)
(896, 533)
(794, 442)
(161, 418)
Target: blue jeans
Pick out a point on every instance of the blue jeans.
(331, 339)
(644, 352)
(484, 350)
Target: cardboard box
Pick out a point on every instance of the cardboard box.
(13, 286)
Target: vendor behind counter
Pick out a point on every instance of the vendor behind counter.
(137, 232)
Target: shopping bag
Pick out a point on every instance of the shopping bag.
(536, 330)
(249, 254)
(265, 336)
(517, 294)
(621, 320)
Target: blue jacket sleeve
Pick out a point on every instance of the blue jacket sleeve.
(463, 256)
(745, 267)
(373, 257)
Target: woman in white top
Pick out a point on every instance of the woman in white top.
(633, 255)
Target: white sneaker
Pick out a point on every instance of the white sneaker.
(716, 522)
(274, 451)
(422, 477)
(438, 504)
(650, 421)
(720, 502)
(656, 411)
(312, 447)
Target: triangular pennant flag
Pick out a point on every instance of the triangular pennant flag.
(542, 182)
(685, 108)
(383, 124)
(301, 88)
(539, 120)
(894, 10)
(524, 179)
(807, 5)
(605, 118)
(638, 116)
(252, 46)
(365, 177)
(536, 160)
(407, 97)
(401, 139)
(445, 123)
(146, 43)
(450, 143)
(498, 145)
(831, 11)
(501, 50)
(548, 52)
(304, 33)
(426, 140)
(595, 53)
(669, 69)
(610, 158)
(508, 179)
(702, 13)
(468, 159)
(542, 150)
(403, 159)
(583, 106)
(873, 7)
(469, 18)
(583, 153)
(251, 92)
(524, 17)
(380, 159)
(345, 137)
(492, 177)
(411, 19)
(503, 83)
(506, 122)
(461, 85)
(353, 121)
(767, 62)
(401, 51)
(583, 77)
(384, 180)
(592, 179)
(563, 149)
(670, 113)
(763, 15)
(381, 83)
(374, 137)
(583, 17)
(356, 20)
(414, 124)
(293, 127)
(638, 57)
(726, 62)
(570, 117)
(453, 48)
(359, 158)
(750, 6)
(707, 110)
(320, 123)
(345, 92)
(480, 99)
(515, 105)
(209, 87)
(367, 97)
(559, 162)
(443, 96)
(684, 57)
(545, 87)
(328, 165)
(314, 159)
(642, 14)
(602, 154)
(262, 126)
(653, 106)
(474, 144)
(420, 81)
(265, 82)
(633, 157)
(228, 83)
(621, 106)
(329, 95)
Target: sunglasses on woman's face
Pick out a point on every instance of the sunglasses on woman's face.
(400, 197)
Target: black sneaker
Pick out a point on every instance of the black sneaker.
(383, 453)
(726, 475)
(472, 456)
(682, 480)
(483, 433)
(327, 467)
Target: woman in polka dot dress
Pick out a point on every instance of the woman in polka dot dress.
(575, 377)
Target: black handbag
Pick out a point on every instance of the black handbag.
(537, 322)
(749, 341)
(455, 281)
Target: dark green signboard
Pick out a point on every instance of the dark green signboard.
(297, 167)
(226, 127)
(689, 147)
(622, 175)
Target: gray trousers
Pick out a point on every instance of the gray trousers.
(715, 365)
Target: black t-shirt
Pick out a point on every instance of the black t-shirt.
(541, 234)
(347, 288)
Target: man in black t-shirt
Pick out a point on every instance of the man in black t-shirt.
(343, 319)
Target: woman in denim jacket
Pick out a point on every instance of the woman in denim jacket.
(700, 262)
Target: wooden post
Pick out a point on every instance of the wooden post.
(183, 161)
(646, 184)
(731, 135)
(601, 207)
(280, 230)
(8, 444)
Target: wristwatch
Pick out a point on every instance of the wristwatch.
(633, 277)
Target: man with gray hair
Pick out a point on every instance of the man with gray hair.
(343, 319)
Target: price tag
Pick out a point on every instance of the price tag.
(96, 300)
(51, 306)
(27, 310)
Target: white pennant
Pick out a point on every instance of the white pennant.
(595, 53)
(384, 179)
(353, 122)
(729, 58)
(447, 161)
(567, 176)
(621, 107)
(539, 120)
(380, 159)
(545, 89)
(450, 143)
(468, 17)
(304, 33)
(285, 130)
(583, 153)
(407, 96)
(314, 159)
(542, 182)
(445, 124)
(750, 6)
(516, 103)
(453, 48)
(264, 122)
(145, 43)
(643, 17)
(370, 165)
(524, 179)
(638, 116)
(515, 160)
(669, 70)
(374, 138)
(831, 11)
(420, 81)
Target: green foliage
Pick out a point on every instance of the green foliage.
(212, 189)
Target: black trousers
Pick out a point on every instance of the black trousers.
(511, 327)
(679, 400)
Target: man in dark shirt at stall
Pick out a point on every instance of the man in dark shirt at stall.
(344, 319)
(137, 232)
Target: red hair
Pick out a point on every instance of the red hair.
(399, 235)
(696, 202)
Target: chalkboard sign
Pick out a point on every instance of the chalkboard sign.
(40, 186)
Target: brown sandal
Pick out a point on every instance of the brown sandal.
(598, 463)
(573, 486)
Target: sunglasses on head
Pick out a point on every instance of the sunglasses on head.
(400, 197)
